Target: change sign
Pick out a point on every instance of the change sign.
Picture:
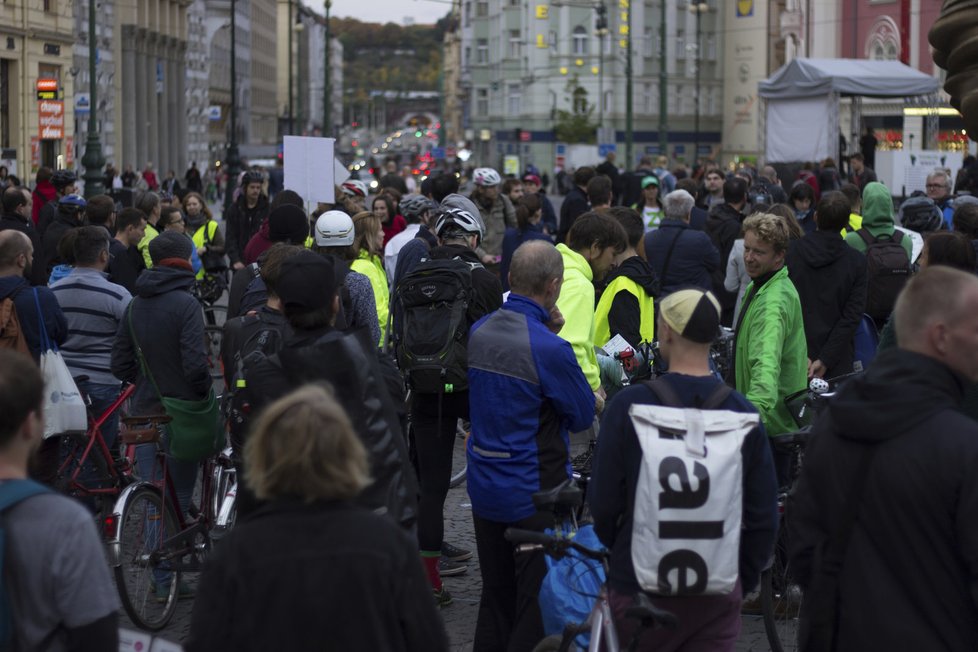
(51, 119)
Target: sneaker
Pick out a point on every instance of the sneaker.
(162, 591)
(448, 568)
(454, 553)
(442, 598)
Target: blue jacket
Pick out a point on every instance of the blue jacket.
(56, 325)
(526, 391)
(693, 260)
(512, 239)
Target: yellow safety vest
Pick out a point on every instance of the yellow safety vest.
(371, 267)
(201, 241)
(143, 245)
(602, 331)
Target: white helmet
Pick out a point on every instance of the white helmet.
(486, 177)
(334, 229)
(354, 188)
(458, 219)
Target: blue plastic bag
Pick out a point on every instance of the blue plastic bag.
(571, 586)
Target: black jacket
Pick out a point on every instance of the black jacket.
(909, 579)
(241, 223)
(60, 225)
(15, 222)
(169, 327)
(723, 226)
(125, 265)
(331, 576)
(369, 387)
(624, 317)
(17, 288)
(830, 277)
(574, 205)
(693, 261)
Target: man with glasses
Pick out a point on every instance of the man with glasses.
(939, 189)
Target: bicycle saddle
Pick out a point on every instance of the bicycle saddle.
(647, 613)
(567, 495)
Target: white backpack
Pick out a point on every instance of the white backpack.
(689, 498)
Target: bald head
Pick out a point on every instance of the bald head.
(937, 315)
(13, 244)
(534, 267)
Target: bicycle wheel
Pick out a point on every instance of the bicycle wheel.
(213, 337)
(459, 463)
(780, 599)
(148, 591)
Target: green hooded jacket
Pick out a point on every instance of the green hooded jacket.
(576, 304)
(877, 217)
(772, 354)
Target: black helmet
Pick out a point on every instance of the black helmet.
(63, 178)
(252, 176)
(921, 214)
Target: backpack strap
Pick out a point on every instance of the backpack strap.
(14, 491)
(866, 236)
(665, 266)
(718, 397)
(897, 236)
(664, 392)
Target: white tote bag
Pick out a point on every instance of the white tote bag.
(64, 409)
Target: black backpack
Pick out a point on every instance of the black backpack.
(260, 340)
(433, 325)
(888, 270)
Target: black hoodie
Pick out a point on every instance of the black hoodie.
(723, 225)
(624, 317)
(909, 580)
(830, 277)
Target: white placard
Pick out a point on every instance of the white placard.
(340, 173)
(133, 641)
(307, 168)
(616, 344)
(161, 645)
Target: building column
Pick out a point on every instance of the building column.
(181, 119)
(129, 133)
(169, 127)
(141, 135)
(153, 112)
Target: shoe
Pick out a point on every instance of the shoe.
(751, 606)
(442, 598)
(454, 553)
(162, 591)
(448, 568)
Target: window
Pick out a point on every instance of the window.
(481, 8)
(647, 40)
(467, 56)
(680, 44)
(580, 41)
(711, 47)
(647, 98)
(482, 101)
(467, 12)
(579, 100)
(514, 3)
(552, 37)
(514, 44)
(514, 96)
(482, 51)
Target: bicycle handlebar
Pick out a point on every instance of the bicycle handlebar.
(556, 547)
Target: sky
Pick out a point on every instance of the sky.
(386, 11)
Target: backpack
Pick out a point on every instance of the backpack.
(12, 492)
(888, 270)
(260, 340)
(686, 537)
(11, 332)
(433, 330)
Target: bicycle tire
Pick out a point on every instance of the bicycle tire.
(213, 338)
(780, 600)
(552, 643)
(135, 573)
(460, 464)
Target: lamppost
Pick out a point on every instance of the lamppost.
(233, 160)
(663, 105)
(629, 94)
(697, 8)
(298, 27)
(601, 30)
(327, 112)
(291, 59)
(93, 159)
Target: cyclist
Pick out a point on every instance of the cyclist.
(354, 197)
(60, 593)
(416, 209)
(688, 322)
(152, 206)
(352, 579)
(245, 217)
(64, 184)
(497, 214)
(517, 360)
(16, 202)
(70, 215)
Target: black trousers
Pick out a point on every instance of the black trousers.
(433, 421)
(509, 613)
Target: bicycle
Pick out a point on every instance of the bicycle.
(564, 501)
(781, 597)
(150, 541)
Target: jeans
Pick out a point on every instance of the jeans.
(102, 397)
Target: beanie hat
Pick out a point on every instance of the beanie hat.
(306, 281)
(288, 223)
(693, 313)
(170, 244)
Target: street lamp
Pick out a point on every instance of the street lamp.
(601, 30)
(93, 159)
(298, 27)
(697, 8)
(327, 113)
(233, 159)
(290, 59)
(663, 98)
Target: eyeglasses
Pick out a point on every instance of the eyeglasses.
(937, 185)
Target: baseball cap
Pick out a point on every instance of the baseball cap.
(693, 313)
(649, 181)
(532, 178)
(306, 282)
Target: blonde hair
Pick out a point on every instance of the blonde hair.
(365, 227)
(772, 229)
(304, 446)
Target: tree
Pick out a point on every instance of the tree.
(577, 124)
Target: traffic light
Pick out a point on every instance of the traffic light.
(601, 22)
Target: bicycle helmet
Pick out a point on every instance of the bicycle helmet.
(334, 229)
(486, 177)
(414, 206)
(354, 188)
(921, 214)
(63, 178)
(252, 176)
(72, 204)
(457, 219)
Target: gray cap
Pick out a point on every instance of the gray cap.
(170, 244)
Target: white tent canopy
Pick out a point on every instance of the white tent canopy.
(802, 97)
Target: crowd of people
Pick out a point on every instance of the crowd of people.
(363, 334)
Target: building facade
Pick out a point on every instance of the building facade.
(263, 133)
(36, 85)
